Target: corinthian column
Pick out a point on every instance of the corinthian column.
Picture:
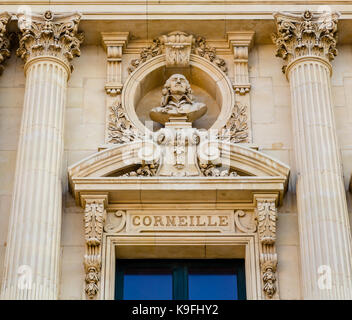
(48, 43)
(307, 43)
(4, 40)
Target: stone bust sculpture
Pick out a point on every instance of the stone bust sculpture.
(177, 102)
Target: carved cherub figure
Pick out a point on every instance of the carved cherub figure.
(177, 101)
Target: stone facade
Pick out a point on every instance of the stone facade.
(122, 60)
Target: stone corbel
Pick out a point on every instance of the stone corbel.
(241, 42)
(94, 220)
(4, 40)
(114, 43)
(266, 215)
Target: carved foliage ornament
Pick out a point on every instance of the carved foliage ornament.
(306, 34)
(94, 219)
(236, 128)
(267, 216)
(120, 128)
(178, 46)
(268, 269)
(51, 35)
(4, 40)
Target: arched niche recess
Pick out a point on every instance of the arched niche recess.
(201, 73)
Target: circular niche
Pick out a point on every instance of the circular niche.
(142, 92)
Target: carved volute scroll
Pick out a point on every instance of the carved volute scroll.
(307, 34)
(4, 39)
(94, 219)
(49, 35)
(266, 213)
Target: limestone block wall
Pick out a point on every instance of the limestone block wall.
(84, 132)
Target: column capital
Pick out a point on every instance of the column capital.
(4, 39)
(306, 34)
(49, 35)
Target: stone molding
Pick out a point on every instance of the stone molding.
(241, 42)
(307, 34)
(49, 35)
(4, 39)
(114, 43)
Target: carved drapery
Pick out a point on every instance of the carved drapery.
(94, 219)
(307, 34)
(4, 39)
(51, 35)
(266, 215)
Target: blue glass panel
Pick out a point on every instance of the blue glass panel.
(212, 286)
(147, 287)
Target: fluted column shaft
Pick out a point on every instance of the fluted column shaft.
(325, 238)
(34, 235)
(33, 246)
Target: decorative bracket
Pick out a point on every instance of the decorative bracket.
(266, 214)
(114, 43)
(241, 42)
(94, 219)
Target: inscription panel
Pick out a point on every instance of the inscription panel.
(207, 221)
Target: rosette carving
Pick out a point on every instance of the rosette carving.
(49, 35)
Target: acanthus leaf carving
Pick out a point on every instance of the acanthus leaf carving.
(267, 216)
(306, 34)
(236, 128)
(94, 217)
(94, 220)
(4, 40)
(51, 35)
(120, 128)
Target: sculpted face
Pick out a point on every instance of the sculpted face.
(178, 84)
